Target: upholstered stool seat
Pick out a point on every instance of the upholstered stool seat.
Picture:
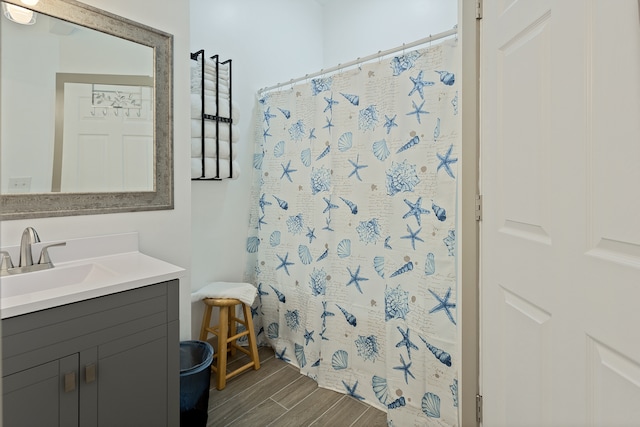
(226, 330)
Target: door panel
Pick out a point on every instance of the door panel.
(40, 384)
(523, 129)
(613, 161)
(527, 328)
(560, 245)
(132, 385)
(37, 396)
(609, 371)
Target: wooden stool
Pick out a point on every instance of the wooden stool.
(225, 330)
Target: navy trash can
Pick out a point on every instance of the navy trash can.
(195, 362)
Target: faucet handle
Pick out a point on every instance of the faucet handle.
(5, 263)
(44, 254)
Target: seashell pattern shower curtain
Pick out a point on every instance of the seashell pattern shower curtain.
(353, 233)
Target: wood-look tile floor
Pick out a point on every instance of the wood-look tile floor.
(278, 395)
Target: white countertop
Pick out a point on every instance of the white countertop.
(86, 268)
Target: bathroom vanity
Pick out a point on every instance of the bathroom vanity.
(102, 351)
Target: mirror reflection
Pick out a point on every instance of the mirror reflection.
(77, 109)
(104, 133)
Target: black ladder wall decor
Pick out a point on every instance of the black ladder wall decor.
(217, 118)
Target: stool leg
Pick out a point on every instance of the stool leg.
(232, 329)
(253, 347)
(206, 321)
(222, 348)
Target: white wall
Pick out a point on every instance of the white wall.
(265, 45)
(272, 42)
(163, 234)
(358, 28)
(26, 155)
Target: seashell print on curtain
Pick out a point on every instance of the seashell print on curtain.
(352, 241)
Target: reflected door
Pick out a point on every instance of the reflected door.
(560, 231)
(105, 149)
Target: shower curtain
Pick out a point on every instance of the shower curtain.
(353, 232)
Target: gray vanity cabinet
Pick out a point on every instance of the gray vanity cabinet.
(108, 361)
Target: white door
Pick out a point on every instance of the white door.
(105, 149)
(560, 251)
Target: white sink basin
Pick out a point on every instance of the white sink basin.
(57, 277)
(85, 268)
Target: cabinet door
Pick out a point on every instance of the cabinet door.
(45, 395)
(132, 382)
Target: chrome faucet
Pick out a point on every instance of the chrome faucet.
(29, 237)
(25, 265)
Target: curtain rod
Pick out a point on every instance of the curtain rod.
(380, 54)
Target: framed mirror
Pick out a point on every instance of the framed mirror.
(86, 113)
